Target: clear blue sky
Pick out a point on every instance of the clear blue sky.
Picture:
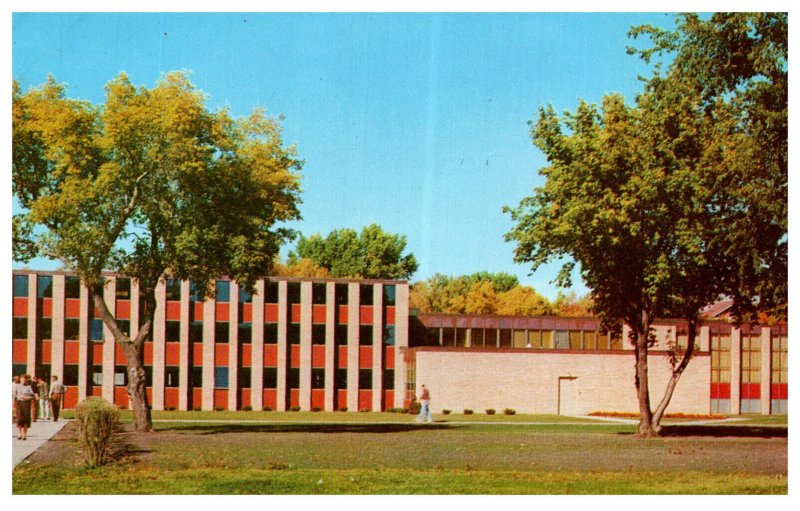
(416, 122)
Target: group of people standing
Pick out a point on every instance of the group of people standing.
(32, 398)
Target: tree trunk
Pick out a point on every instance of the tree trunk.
(677, 371)
(642, 332)
(137, 390)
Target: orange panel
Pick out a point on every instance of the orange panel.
(389, 315)
(221, 355)
(223, 311)
(119, 356)
(341, 399)
(318, 314)
(365, 357)
(97, 352)
(366, 315)
(71, 397)
(245, 398)
(294, 398)
(294, 355)
(149, 392)
(72, 308)
(388, 357)
(318, 398)
(246, 354)
(247, 313)
(121, 396)
(270, 398)
(148, 353)
(96, 390)
(96, 312)
(123, 310)
(19, 352)
(220, 399)
(342, 362)
(270, 355)
(270, 313)
(70, 352)
(198, 311)
(317, 355)
(295, 313)
(197, 398)
(364, 400)
(197, 358)
(343, 314)
(388, 399)
(21, 307)
(47, 307)
(46, 349)
(171, 397)
(173, 311)
(172, 357)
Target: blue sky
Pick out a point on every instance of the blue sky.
(416, 122)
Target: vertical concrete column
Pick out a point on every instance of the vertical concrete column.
(209, 319)
(159, 344)
(400, 342)
(377, 348)
(306, 308)
(353, 349)
(109, 345)
(330, 345)
(233, 348)
(57, 346)
(257, 349)
(183, 347)
(704, 340)
(736, 370)
(283, 296)
(766, 370)
(33, 303)
(83, 343)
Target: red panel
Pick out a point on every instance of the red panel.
(270, 355)
(47, 307)
(19, 352)
(342, 362)
(72, 308)
(389, 315)
(149, 392)
(119, 356)
(46, 352)
(341, 399)
(318, 314)
(246, 351)
(71, 397)
(70, 352)
(365, 357)
(751, 391)
(123, 310)
(96, 390)
(780, 391)
(121, 396)
(245, 399)
(366, 315)
(295, 313)
(247, 313)
(223, 312)
(220, 399)
(96, 314)
(364, 400)
(221, 355)
(148, 353)
(173, 311)
(270, 398)
(270, 313)
(317, 356)
(343, 314)
(197, 398)
(388, 399)
(318, 398)
(294, 398)
(294, 355)
(198, 311)
(21, 307)
(197, 358)
(388, 357)
(171, 395)
(720, 391)
(96, 350)
(172, 356)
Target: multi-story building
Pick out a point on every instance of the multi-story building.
(332, 344)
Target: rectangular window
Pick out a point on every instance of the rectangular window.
(476, 337)
(602, 340)
(70, 374)
(388, 379)
(220, 377)
(520, 338)
(44, 286)
(340, 378)
(245, 296)
(365, 295)
(270, 333)
(388, 335)
(341, 294)
(120, 376)
(318, 334)
(171, 376)
(574, 339)
(123, 288)
(148, 376)
(293, 333)
(318, 293)
(448, 336)
(95, 329)
(45, 328)
(196, 331)
(97, 375)
(562, 339)
(172, 331)
(221, 332)
(20, 328)
(270, 292)
(317, 378)
(340, 334)
(223, 294)
(21, 286)
(490, 337)
(547, 339)
(194, 292)
(270, 377)
(365, 335)
(389, 294)
(245, 376)
(589, 340)
(72, 287)
(245, 333)
(173, 290)
(196, 377)
(293, 377)
(125, 326)
(293, 292)
(72, 328)
(365, 379)
(505, 338)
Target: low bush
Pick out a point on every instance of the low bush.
(316, 409)
(446, 412)
(98, 420)
(467, 411)
(247, 408)
(266, 409)
(490, 411)
(295, 409)
(219, 409)
(343, 409)
(365, 410)
(509, 411)
(169, 408)
(414, 407)
(197, 409)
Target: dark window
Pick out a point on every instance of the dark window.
(389, 293)
(173, 290)
(20, 328)
(245, 296)
(72, 328)
(244, 377)
(293, 292)
(365, 335)
(121, 376)
(340, 378)
(72, 287)
(505, 338)
(388, 379)
(19, 369)
(70, 374)
(365, 379)
(125, 326)
(270, 377)
(317, 378)
(221, 329)
(318, 334)
(293, 333)
(223, 291)
(245, 333)
(44, 286)
(21, 286)
(95, 329)
(366, 294)
(45, 328)
(340, 334)
(221, 377)
(196, 331)
(148, 376)
(341, 294)
(318, 293)
(197, 377)
(270, 333)
(171, 376)
(123, 288)
(293, 377)
(172, 332)
(388, 335)
(270, 292)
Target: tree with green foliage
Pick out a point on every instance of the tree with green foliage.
(641, 197)
(150, 184)
(374, 254)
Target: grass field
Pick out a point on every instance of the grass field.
(366, 453)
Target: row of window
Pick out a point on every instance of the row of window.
(511, 338)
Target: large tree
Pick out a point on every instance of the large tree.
(149, 184)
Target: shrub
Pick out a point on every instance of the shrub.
(490, 411)
(169, 408)
(365, 410)
(218, 409)
(446, 412)
(316, 409)
(509, 411)
(343, 409)
(295, 409)
(197, 409)
(414, 407)
(267, 409)
(467, 411)
(98, 420)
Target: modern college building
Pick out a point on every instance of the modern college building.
(334, 344)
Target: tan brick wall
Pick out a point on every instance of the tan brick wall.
(529, 382)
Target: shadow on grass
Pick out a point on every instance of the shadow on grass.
(726, 431)
(213, 429)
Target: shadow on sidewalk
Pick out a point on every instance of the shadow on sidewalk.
(726, 431)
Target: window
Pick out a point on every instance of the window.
(20, 328)
(196, 377)
(70, 374)
(244, 377)
(220, 377)
(720, 373)
(547, 339)
(125, 326)
(45, 328)
(293, 377)
(340, 334)
(780, 374)
(448, 336)
(21, 286)
(365, 335)
(293, 333)
(341, 294)
(388, 335)
(196, 331)
(173, 290)
(490, 337)
(389, 294)
(318, 293)
(245, 296)
(71, 329)
(172, 331)
(97, 375)
(72, 287)
(19, 369)
(751, 374)
(120, 376)
(589, 340)
(270, 377)
(340, 378)
(562, 339)
(194, 292)
(505, 338)
(293, 293)
(318, 334)
(365, 379)
(148, 376)
(574, 339)
(365, 295)
(171, 376)
(270, 333)
(123, 288)
(223, 294)
(221, 331)
(44, 286)
(95, 329)
(317, 378)
(388, 379)
(245, 333)
(476, 337)
(520, 338)
(270, 292)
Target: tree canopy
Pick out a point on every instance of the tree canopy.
(149, 184)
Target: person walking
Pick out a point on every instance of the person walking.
(23, 397)
(57, 390)
(425, 406)
(43, 393)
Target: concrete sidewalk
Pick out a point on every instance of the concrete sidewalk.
(38, 434)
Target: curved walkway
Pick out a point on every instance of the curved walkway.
(40, 432)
